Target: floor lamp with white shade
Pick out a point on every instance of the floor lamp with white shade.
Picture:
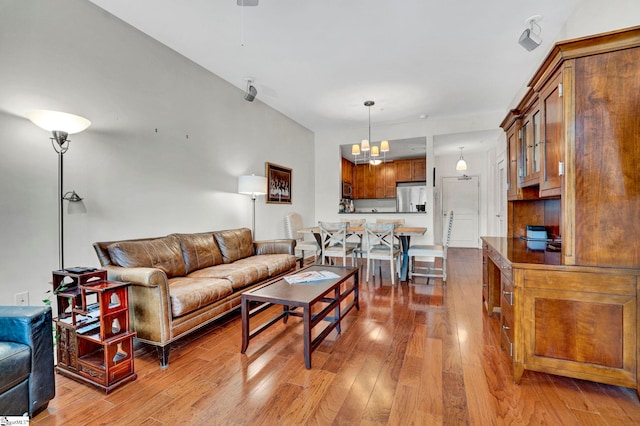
(61, 125)
(254, 186)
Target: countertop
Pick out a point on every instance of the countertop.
(515, 250)
(370, 212)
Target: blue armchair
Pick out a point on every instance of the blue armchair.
(27, 381)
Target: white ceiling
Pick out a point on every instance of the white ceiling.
(318, 61)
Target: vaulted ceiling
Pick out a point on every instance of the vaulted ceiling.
(318, 61)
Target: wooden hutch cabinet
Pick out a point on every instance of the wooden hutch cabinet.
(574, 147)
(95, 344)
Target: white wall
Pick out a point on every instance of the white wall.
(71, 56)
(599, 16)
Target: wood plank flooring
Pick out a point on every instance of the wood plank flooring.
(413, 354)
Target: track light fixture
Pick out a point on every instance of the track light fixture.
(251, 91)
(530, 38)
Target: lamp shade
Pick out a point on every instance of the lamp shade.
(375, 152)
(384, 146)
(461, 165)
(55, 120)
(364, 145)
(252, 185)
(355, 149)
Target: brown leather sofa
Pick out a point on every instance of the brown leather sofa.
(182, 282)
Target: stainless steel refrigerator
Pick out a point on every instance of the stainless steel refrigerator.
(411, 196)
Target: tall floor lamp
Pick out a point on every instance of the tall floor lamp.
(61, 125)
(252, 185)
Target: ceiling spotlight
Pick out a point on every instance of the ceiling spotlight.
(251, 92)
(530, 38)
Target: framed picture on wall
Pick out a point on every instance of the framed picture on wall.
(278, 184)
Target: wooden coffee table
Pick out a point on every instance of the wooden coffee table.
(329, 293)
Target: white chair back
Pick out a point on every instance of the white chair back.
(334, 240)
(380, 245)
(293, 223)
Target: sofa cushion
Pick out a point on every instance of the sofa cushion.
(234, 244)
(275, 263)
(239, 275)
(162, 253)
(199, 251)
(188, 293)
(15, 364)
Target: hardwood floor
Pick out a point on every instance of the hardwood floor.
(412, 355)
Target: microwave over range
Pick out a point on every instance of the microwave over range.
(347, 190)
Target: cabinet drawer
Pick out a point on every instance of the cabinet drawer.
(92, 372)
(506, 331)
(507, 296)
(120, 371)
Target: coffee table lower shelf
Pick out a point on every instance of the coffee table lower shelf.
(330, 292)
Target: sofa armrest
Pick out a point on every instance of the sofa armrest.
(283, 246)
(148, 277)
(149, 302)
(33, 326)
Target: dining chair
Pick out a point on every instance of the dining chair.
(434, 251)
(355, 239)
(380, 246)
(396, 222)
(334, 241)
(293, 224)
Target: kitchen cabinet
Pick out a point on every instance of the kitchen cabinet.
(347, 171)
(389, 180)
(380, 181)
(411, 169)
(359, 181)
(375, 181)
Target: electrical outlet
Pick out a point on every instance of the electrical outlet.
(22, 299)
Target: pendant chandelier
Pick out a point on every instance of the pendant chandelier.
(370, 153)
(461, 164)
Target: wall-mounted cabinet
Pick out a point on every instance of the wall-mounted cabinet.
(411, 169)
(380, 181)
(347, 171)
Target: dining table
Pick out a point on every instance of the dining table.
(404, 234)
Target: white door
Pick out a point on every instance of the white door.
(462, 194)
(501, 199)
